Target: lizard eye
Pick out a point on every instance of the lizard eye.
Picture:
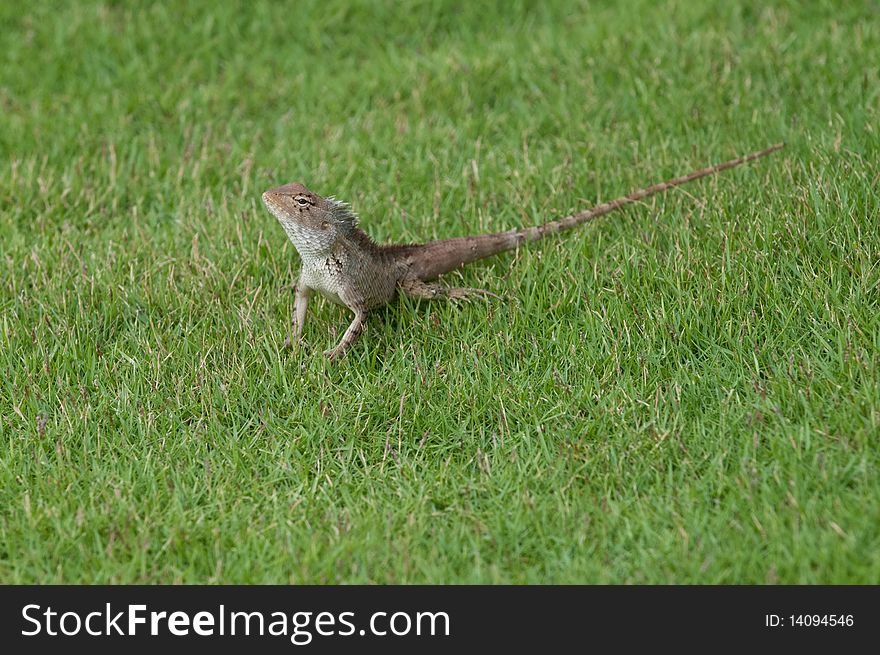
(324, 225)
(302, 201)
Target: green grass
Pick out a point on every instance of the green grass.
(685, 391)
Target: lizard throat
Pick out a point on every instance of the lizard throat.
(308, 242)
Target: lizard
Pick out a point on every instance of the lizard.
(341, 262)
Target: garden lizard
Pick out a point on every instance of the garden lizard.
(342, 263)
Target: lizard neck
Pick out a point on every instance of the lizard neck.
(309, 243)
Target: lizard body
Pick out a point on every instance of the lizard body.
(341, 262)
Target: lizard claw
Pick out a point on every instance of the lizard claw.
(464, 293)
(484, 293)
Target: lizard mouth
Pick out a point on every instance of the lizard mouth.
(271, 204)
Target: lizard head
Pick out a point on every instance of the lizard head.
(313, 223)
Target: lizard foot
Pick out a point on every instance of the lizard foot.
(291, 343)
(428, 291)
(335, 354)
(463, 293)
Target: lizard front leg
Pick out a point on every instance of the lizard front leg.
(351, 334)
(300, 306)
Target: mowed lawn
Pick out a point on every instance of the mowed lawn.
(686, 391)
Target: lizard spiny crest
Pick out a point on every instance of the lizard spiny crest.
(342, 213)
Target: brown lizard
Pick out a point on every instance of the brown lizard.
(345, 265)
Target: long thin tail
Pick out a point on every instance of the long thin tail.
(437, 257)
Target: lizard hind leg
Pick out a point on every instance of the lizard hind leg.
(415, 288)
